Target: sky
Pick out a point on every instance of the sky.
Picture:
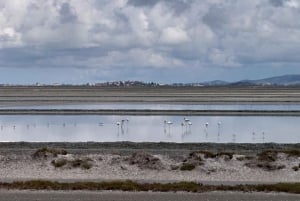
(166, 41)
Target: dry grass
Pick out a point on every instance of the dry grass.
(155, 187)
(187, 167)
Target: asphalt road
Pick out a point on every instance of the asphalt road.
(120, 196)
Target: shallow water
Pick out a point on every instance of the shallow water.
(163, 106)
(150, 129)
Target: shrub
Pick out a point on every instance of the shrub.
(85, 163)
(268, 156)
(197, 155)
(145, 161)
(45, 153)
(226, 154)
(59, 162)
(82, 163)
(187, 167)
(296, 168)
(292, 153)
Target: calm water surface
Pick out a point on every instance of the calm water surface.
(150, 129)
(163, 106)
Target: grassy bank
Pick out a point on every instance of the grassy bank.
(155, 187)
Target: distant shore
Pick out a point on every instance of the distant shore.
(20, 95)
(149, 112)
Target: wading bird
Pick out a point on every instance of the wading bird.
(219, 130)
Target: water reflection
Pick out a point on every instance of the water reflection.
(150, 129)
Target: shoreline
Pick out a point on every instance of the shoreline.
(149, 112)
(162, 163)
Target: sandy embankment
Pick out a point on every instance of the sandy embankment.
(158, 167)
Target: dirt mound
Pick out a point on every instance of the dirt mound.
(145, 161)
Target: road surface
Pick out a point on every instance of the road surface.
(121, 196)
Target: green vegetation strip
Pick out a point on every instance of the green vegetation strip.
(155, 187)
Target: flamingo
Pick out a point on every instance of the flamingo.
(219, 130)
(165, 126)
(169, 124)
(186, 120)
(206, 124)
(234, 138)
(190, 127)
(182, 125)
(206, 130)
(127, 121)
(122, 126)
(118, 125)
(253, 136)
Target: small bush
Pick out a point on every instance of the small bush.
(187, 167)
(174, 167)
(243, 158)
(268, 156)
(85, 163)
(197, 155)
(292, 153)
(46, 152)
(296, 168)
(145, 161)
(82, 163)
(206, 154)
(226, 154)
(59, 162)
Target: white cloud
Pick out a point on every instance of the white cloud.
(174, 35)
(9, 38)
(150, 34)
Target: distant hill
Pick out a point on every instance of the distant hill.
(285, 80)
(215, 83)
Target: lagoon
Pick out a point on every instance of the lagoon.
(112, 128)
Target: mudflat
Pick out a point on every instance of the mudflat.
(31, 95)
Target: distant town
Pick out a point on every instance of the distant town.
(285, 80)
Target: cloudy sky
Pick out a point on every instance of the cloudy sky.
(78, 41)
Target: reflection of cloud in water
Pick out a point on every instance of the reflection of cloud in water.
(149, 128)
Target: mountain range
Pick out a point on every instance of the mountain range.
(285, 80)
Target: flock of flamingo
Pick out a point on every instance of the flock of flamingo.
(186, 126)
